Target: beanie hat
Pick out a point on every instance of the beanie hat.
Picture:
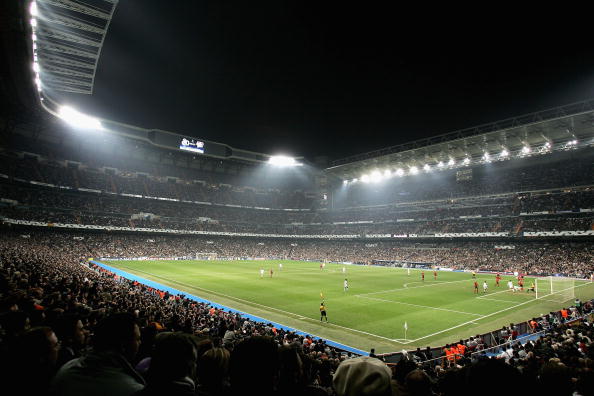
(362, 376)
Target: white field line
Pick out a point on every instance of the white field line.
(487, 296)
(420, 306)
(262, 305)
(358, 295)
(438, 283)
(495, 299)
(486, 316)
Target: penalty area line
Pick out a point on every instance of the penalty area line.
(420, 306)
(477, 319)
(434, 283)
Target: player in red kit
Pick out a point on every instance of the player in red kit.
(497, 279)
(423, 276)
(476, 287)
(434, 275)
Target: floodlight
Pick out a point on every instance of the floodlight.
(440, 164)
(33, 9)
(451, 162)
(36, 67)
(78, 119)
(466, 161)
(345, 182)
(525, 150)
(365, 178)
(399, 172)
(355, 180)
(504, 153)
(387, 173)
(427, 167)
(33, 22)
(376, 176)
(414, 170)
(282, 160)
(487, 157)
(547, 144)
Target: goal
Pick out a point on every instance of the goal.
(555, 288)
(206, 255)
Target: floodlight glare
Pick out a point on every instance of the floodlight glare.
(414, 170)
(77, 119)
(399, 172)
(33, 9)
(427, 167)
(345, 182)
(451, 162)
(387, 173)
(282, 160)
(365, 178)
(36, 67)
(440, 164)
(33, 22)
(525, 150)
(504, 153)
(466, 161)
(376, 176)
(487, 157)
(355, 180)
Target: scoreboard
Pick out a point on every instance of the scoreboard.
(193, 145)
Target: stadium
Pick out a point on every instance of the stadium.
(449, 258)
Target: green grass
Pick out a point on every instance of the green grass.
(370, 314)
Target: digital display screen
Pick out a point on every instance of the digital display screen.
(193, 145)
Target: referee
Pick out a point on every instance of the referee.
(323, 312)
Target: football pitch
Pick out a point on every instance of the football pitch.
(373, 311)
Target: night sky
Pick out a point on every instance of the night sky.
(328, 79)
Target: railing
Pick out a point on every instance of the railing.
(393, 358)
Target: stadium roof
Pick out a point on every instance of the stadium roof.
(258, 77)
(563, 128)
(67, 37)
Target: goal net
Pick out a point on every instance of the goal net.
(555, 288)
(206, 256)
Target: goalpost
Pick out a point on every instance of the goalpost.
(206, 255)
(555, 288)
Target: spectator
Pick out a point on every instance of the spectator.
(107, 369)
(363, 376)
(173, 366)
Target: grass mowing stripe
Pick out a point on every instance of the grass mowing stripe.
(247, 302)
(486, 316)
(419, 306)
(292, 298)
(437, 283)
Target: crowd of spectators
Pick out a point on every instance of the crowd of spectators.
(502, 214)
(79, 329)
(558, 173)
(51, 296)
(532, 257)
